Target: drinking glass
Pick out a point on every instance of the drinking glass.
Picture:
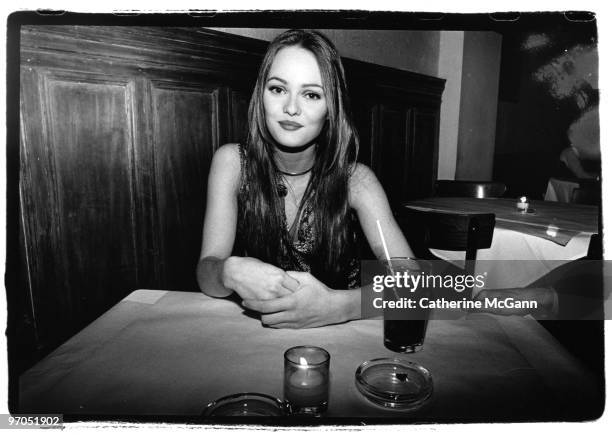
(406, 334)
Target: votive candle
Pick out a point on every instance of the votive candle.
(522, 204)
(306, 379)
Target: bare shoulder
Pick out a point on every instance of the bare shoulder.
(362, 179)
(363, 185)
(225, 164)
(228, 154)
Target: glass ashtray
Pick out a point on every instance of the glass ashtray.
(246, 405)
(394, 383)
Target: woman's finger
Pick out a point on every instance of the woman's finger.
(269, 306)
(301, 277)
(276, 319)
(283, 291)
(284, 326)
(290, 283)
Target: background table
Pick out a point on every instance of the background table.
(561, 189)
(539, 242)
(169, 353)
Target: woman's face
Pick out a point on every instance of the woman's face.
(294, 102)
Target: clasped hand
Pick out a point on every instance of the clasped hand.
(251, 278)
(310, 305)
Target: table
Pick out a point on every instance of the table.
(561, 189)
(538, 242)
(169, 353)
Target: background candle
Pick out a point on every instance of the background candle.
(306, 380)
(522, 204)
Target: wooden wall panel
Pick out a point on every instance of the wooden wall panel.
(239, 109)
(40, 225)
(393, 159)
(86, 144)
(91, 139)
(185, 134)
(419, 181)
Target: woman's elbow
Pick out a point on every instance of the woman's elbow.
(209, 276)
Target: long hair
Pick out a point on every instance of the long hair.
(335, 157)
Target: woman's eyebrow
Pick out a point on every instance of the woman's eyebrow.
(277, 78)
(309, 85)
(305, 85)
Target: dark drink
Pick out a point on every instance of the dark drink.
(404, 335)
(405, 327)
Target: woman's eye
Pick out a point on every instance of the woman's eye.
(276, 89)
(312, 96)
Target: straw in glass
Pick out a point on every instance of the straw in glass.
(389, 262)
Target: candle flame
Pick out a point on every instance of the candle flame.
(303, 361)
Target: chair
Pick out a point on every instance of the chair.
(425, 230)
(589, 194)
(470, 189)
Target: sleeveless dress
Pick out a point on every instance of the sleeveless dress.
(298, 243)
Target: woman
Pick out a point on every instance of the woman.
(287, 202)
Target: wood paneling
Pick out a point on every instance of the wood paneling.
(82, 163)
(91, 141)
(239, 109)
(392, 160)
(185, 134)
(423, 148)
(397, 115)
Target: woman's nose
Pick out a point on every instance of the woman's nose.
(292, 106)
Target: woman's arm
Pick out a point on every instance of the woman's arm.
(367, 197)
(218, 273)
(220, 220)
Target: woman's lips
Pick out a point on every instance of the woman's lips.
(290, 125)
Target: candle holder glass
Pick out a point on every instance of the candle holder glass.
(306, 380)
(522, 204)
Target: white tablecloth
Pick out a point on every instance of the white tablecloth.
(525, 247)
(169, 353)
(560, 190)
(517, 259)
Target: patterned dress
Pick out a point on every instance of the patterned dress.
(297, 251)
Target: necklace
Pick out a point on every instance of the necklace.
(295, 174)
